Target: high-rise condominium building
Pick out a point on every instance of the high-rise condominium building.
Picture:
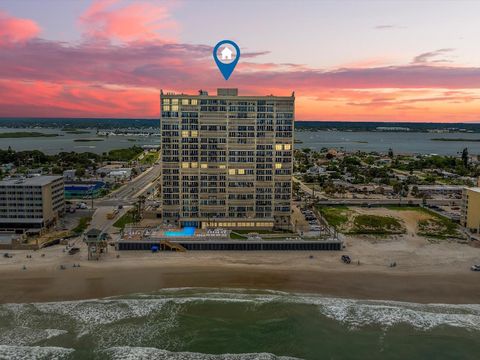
(30, 203)
(227, 160)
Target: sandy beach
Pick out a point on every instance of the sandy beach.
(425, 273)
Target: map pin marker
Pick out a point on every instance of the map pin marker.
(226, 55)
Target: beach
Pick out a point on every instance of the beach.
(434, 273)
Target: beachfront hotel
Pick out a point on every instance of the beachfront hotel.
(227, 160)
(30, 204)
(471, 209)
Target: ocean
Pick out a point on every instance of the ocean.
(237, 324)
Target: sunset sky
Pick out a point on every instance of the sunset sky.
(345, 60)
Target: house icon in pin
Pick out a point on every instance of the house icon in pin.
(226, 53)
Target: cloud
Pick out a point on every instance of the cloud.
(388, 27)
(391, 101)
(45, 99)
(120, 65)
(431, 56)
(181, 66)
(14, 30)
(137, 21)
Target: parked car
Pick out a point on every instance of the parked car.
(73, 251)
(475, 267)
(346, 259)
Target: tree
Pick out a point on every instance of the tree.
(80, 172)
(397, 187)
(415, 190)
(465, 157)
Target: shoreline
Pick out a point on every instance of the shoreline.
(99, 280)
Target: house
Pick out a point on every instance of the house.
(69, 175)
(226, 53)
(316, 170)
(120, 174)
(35, 172)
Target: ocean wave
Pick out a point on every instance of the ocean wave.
(146, 353)
(8, 352)
(88, 315)
(21, 335)
(353, 313)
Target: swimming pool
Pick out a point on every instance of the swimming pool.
(186, 231)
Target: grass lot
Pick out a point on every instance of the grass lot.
(336, 216)
(24, 134)
(235, 236)
(124, 154)
(427, 223)
(377, 225)
(82, 224)
(124, 220)
(349, 221)
(264, 232)
(149, 158)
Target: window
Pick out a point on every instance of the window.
(231, 171)
(278, 165)
(185, 165)
(278, 147)
(194, 102)
(287, 147)
(184, 101)
(204, 166)
(241, 171)
(175, 101)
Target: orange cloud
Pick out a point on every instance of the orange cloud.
(138, 21)
(14, 29)
(40, 98)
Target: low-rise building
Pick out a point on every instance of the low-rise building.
(30, 203)
(69, 175)
(120, 174)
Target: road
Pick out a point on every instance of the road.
(306, 189)
(125, 196)
(129, 193)
(100, 221)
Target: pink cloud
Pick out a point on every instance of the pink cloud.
(137, 21)
(39, 98)
(106, 79)
(13, 30)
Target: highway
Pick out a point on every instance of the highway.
(129, 193)
(125, 196)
